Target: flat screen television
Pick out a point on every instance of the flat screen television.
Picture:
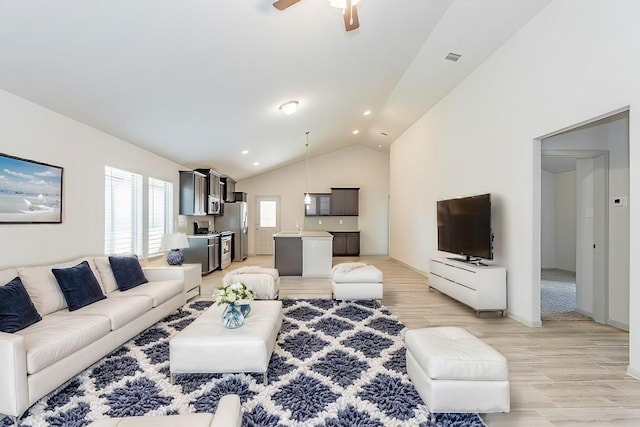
(464, 227)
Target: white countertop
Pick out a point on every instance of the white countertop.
(315, 234)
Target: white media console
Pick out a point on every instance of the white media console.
(481, 287)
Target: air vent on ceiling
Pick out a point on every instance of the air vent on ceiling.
(452, 57)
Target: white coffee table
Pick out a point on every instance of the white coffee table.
(206, 346)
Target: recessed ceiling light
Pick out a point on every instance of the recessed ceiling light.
(289, 107)
(245, 151)
(256, 163)
(355, 132)
(452, 57)
(366, 113)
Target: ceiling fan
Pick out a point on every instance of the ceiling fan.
(349, 11)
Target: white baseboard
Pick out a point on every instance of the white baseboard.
(618, 325)
(635, 373)
(534, 324)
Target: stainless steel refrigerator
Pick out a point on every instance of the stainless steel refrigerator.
(234, 218)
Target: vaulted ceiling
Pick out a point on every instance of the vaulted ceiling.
(200, 81)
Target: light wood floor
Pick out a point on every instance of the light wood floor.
(565, 373)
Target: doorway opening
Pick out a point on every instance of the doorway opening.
(584, 222)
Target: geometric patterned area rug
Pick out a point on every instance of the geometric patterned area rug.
(341, 365)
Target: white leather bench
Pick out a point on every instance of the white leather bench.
(356, 281)
(206, 346)
(453, 371)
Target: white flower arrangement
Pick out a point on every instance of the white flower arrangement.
(233, 294)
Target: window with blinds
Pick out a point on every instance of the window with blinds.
(160, 213)
(123, 212)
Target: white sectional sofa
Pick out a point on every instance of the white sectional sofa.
(228, 414)
(41, 357)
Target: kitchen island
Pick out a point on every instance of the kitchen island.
(306, 253)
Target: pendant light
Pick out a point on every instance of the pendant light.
(307, 196)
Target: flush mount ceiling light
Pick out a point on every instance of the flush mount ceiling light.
(366, 113)
(355, 131)
(245, 151)
(289, 107)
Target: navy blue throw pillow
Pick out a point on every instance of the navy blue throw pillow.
(127, 271)
(79, 285)
(16, 309)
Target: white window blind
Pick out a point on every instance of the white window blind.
(123, 212)
(160, 213)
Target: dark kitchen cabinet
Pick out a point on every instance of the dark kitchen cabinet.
(320, 205)
(228, 188)
(213, 182)
(346, 243)
(344, 201)
(193, 187)
(288, 255)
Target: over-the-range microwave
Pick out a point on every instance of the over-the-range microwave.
(213, 207)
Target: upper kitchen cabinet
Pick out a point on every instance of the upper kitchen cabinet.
(344, 201)
(320, 205)
(213, 190)
(193, 187)
(228, 188)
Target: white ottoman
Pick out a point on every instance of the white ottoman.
(206, 346)
(356, 281)
(264, 282)
(453, 371)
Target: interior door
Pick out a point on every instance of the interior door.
(600, 220)
(591, 239)
(267, 223)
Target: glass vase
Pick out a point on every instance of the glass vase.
(232, 316)
(245, 309)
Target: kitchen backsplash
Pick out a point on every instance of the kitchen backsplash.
(331, 223)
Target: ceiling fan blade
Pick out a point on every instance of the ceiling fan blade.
(350, 15)
(283, 4)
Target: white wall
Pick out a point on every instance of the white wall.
(548, 221)
(33, 132)
(355, 166)
(565, 226)
(557, 71)
(619, 224)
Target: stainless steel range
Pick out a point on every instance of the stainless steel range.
(226, 247)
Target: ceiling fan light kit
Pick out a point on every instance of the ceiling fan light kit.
(350, 13)
(342, 4)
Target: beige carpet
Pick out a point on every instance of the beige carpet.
(564, 316)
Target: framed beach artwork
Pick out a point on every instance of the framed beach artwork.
(30, 191)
